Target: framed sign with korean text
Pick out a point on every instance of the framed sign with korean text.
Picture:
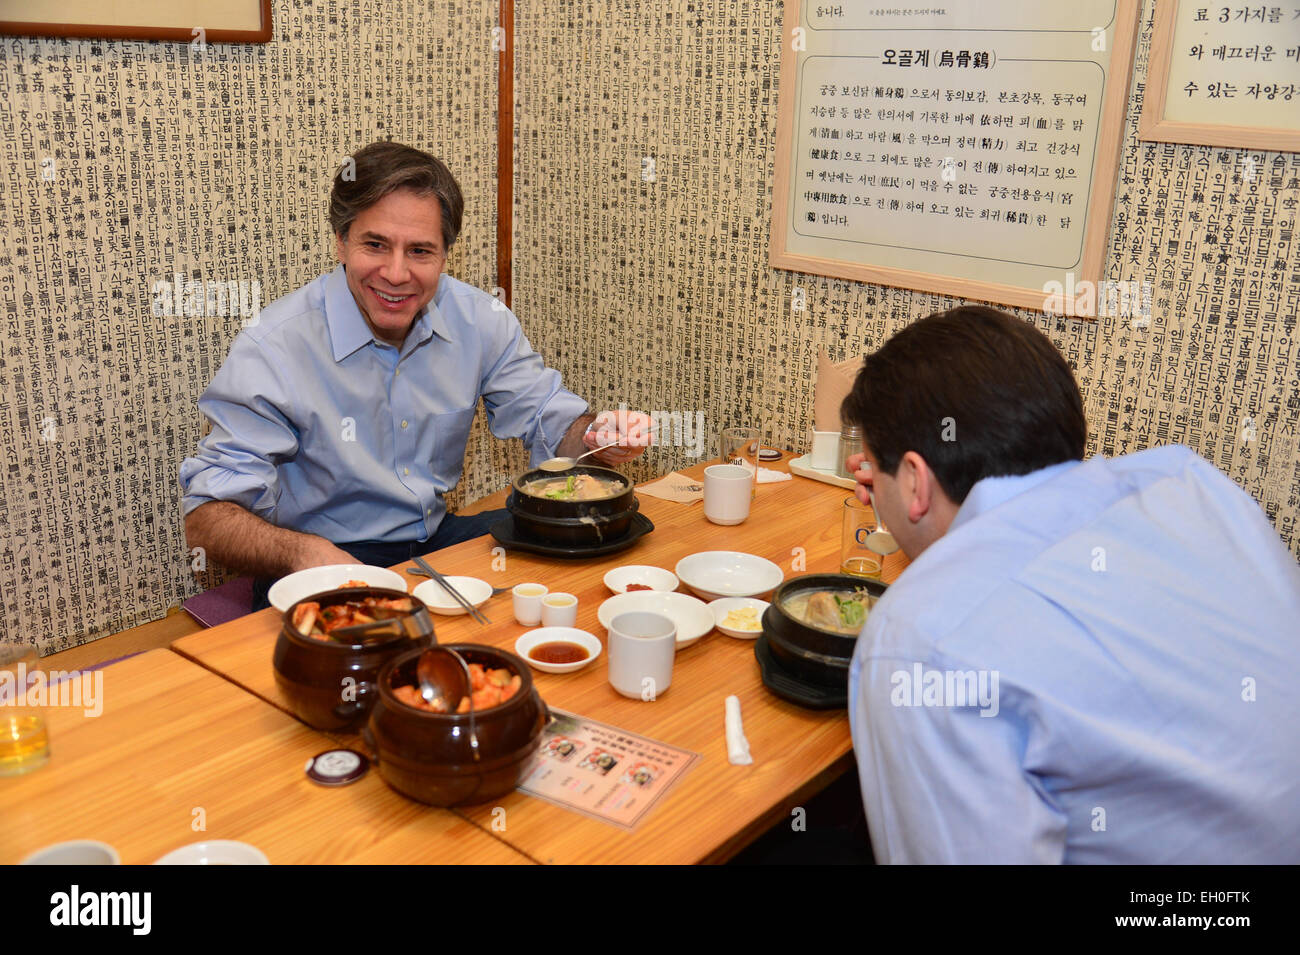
(968, 148)
(1224, 75)
(207, 21)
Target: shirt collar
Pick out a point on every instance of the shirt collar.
(348, 328)
(994, 491)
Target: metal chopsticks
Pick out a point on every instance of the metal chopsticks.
(478, 615)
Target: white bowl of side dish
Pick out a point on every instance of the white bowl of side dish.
(726, 573)
(656, 578)
(739, 617)
(476, 592)
(692, 618)
(215, 852)
(287, 591)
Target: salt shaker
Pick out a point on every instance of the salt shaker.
(850, 444)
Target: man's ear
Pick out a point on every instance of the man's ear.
(918, 485)
(338, 246)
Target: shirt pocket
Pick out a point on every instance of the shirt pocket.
(450, 434)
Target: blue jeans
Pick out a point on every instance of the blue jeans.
(454, 529)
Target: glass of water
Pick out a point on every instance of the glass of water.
(24, 740)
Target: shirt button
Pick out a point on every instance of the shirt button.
(429, 511)
(397, 372)
(403, 423)
(406, 470)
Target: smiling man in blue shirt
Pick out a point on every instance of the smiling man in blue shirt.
(340, 419)
(1086, 661)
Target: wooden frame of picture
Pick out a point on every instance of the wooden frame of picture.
(245, 21)
(1154, 127)
(1101, 199)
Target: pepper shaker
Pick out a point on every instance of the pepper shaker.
(850, 444)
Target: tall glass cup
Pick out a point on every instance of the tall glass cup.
(856, 556)
(24, 741)
(740, 446)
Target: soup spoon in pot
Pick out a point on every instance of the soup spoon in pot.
(444, 676)
(564, 464)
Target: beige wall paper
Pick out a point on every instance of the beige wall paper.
(659, 292)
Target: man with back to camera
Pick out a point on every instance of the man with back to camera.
(341, 418)
(1086, 661)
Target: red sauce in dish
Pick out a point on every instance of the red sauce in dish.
(632, 587)
(558, 652)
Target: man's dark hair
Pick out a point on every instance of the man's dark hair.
(385, 167)
(976, 392)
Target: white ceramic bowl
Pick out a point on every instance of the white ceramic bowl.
(476, 591)
(75, 852)
(656, 577)
(727, 573)
(692, 617)
(725, 605)
(216, 852)
(287, 591)
(534, 638)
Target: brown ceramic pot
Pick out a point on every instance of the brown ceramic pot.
(429, 757)
(311, 673)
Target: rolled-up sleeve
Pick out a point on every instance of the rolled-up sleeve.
(524, 398)
(251, 434)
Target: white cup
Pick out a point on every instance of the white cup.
(528, 603)
(77, 852)
(825, 448)
(641, 648)
(728, 492)
(559, 610)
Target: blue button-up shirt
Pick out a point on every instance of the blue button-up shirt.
(1098, 662)
(319, 427)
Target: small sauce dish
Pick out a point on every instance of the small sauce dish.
(565, 638)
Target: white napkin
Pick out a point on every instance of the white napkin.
(737, 745)
(768, 476)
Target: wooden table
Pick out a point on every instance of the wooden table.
(176, 745)
(717, 808)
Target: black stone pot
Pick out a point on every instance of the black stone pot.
(572, 523)
(806, 652)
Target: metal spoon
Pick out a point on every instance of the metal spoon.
(444, 676)
(564, 464)
(879, 541)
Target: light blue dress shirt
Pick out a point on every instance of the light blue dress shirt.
(319, 427)
(1142, 619)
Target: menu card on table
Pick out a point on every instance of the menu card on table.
(603, 771)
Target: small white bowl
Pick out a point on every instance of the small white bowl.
(287, 591)
(216, 852)
(725, 605)
(691, 616)
(476, 591)
(727, 573)
(534, 638)
(655, 577)
(75, 852)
